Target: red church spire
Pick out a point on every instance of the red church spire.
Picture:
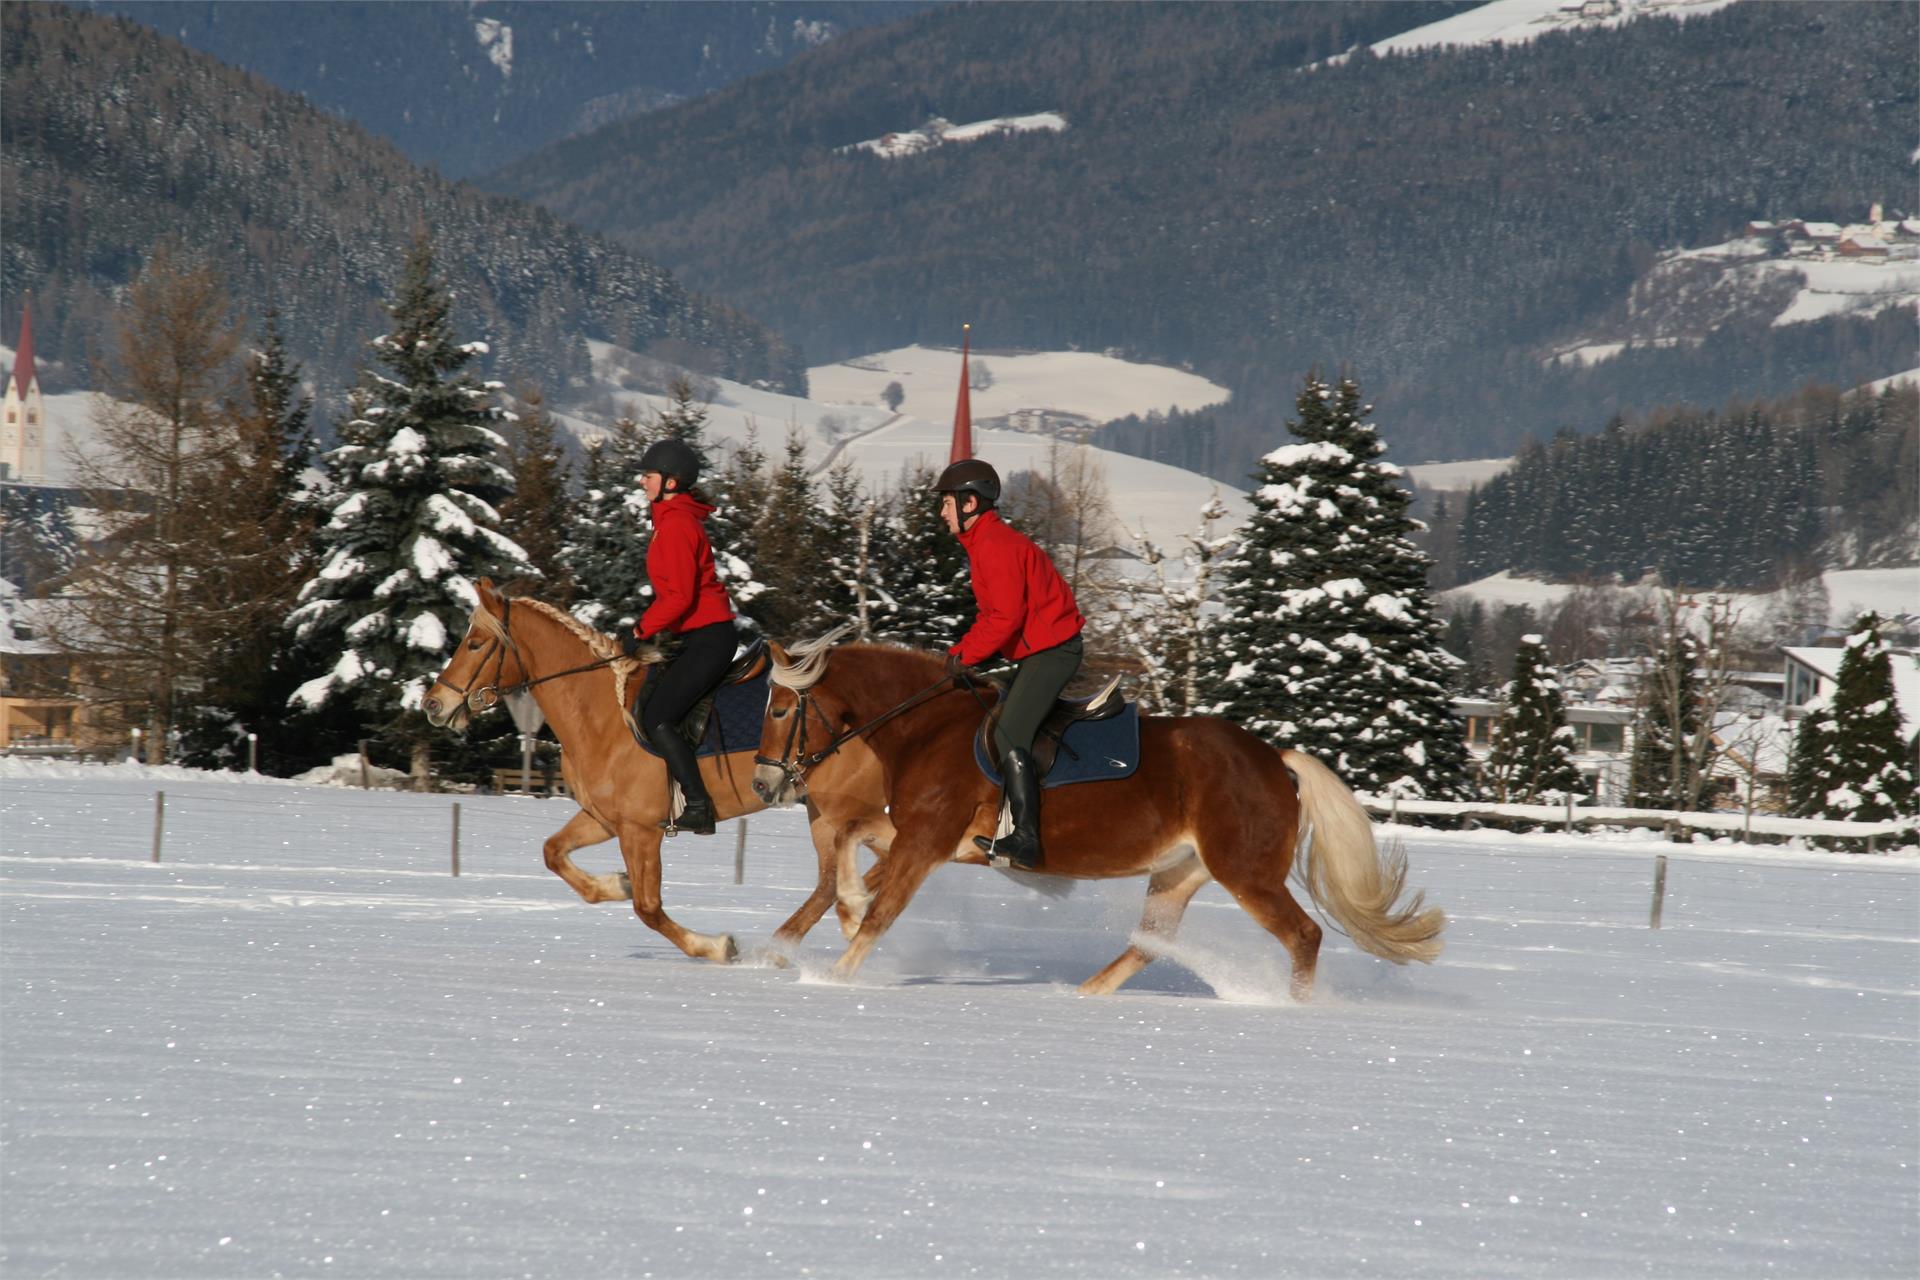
(963, 407)
(23, 355)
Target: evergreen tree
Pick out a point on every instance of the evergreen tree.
(607, 530)
(851, 590)
(419, 476)
(924, 568)
(1667, 728)
(1328, 639)
(535, 514)
(1532, 757)
(790, 546)
(1856, 766)
(739, 494)
(37, 538)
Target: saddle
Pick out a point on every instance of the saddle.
(1110, 753)
(750, 668)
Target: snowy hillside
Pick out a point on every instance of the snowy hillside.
(1511, 22)
(938, 132)
(1853, 592)
(298, 1046)
(846, 418)
(1859, 269)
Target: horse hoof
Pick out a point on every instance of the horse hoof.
(729, 953)
(626, 887)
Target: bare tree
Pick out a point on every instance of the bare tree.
(894, 395)
(144, 605)
(1162, 620)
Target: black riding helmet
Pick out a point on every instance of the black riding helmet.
(970, 475)
(674, 458)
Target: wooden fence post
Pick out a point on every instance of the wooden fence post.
(740, 854)
(1659, 890)
(456, 837)
(366, 779)
(159, 820)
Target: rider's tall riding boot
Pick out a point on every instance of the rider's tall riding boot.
(1019, 848)
(697, 816)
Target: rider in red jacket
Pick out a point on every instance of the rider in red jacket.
(1026, 612)
(689, 602)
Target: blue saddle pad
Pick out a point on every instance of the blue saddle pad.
(738, 710)
(1092, 751)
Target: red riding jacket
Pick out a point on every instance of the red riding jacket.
(1025, 605)
(686, 591)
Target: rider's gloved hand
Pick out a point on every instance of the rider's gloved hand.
(963, 675)
(631, 644)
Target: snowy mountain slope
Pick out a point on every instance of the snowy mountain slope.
(298, 1046)
(1511, 22)
(1689, 293)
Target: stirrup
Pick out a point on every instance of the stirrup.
(1006, 862)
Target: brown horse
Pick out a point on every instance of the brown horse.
(580, 680)
(1209, 802)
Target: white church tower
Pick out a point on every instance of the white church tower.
(23, 418)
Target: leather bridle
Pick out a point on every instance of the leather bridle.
(485, 697)
(795, 760)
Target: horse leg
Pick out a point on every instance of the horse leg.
(907, 866)
(583, 829)
(856, 890)
(640, 846)
(1168, 893)
(833, 844)
(1260, 887)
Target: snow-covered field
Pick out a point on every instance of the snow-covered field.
(297, 1046)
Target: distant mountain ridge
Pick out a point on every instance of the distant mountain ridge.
(112, 137)
(1434, 221)
(466, 87)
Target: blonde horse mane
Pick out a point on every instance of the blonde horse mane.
(806, 661)
(600, 644)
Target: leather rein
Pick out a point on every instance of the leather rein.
(795, 760)
(485, 697)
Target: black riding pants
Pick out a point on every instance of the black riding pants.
(1037, 683)
(705, 653)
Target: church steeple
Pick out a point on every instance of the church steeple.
(23, 413)
(23, 375)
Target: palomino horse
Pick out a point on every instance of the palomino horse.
(1209, 802)
(579, 679)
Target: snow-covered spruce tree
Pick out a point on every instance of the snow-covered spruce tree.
(1328, 641)
(790, 546)
(923, 566)
(739, 493)
(1667, 726)
(851, 589)
(607, 531)
(1532, 757)
(419, 476)
(1851, 761)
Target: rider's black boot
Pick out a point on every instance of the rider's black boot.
(1019, 848)
(696, 817)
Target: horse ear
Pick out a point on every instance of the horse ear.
(489, 598)
(778, 651)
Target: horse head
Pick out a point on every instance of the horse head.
(801, 716)
(485, 661)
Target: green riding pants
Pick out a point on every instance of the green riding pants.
(1037, 682)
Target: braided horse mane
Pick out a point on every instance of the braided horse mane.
(600, 644)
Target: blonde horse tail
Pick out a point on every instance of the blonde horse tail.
(1353, 880)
